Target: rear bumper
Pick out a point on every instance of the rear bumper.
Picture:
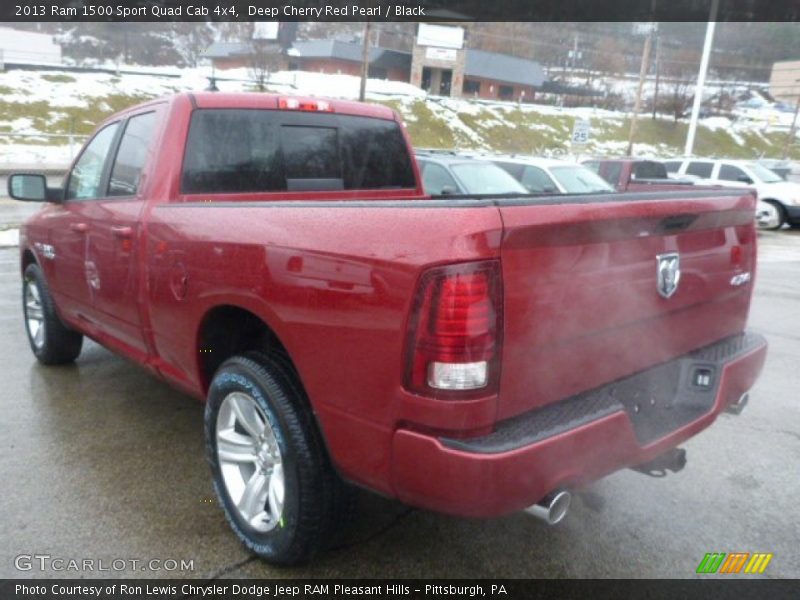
(578, 440)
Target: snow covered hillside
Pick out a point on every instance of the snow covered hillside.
(37, 104)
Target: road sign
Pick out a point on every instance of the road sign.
(581, 132)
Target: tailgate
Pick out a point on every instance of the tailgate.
(581, 300)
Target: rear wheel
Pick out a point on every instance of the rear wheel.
(271, 472)
(52, 342)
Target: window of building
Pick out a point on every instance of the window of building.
(505, 92)
(472, 86)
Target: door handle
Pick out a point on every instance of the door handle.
(122, 231)
(79, 227)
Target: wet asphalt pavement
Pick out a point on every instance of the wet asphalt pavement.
(101, 461)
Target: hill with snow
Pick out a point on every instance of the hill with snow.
(39, 110)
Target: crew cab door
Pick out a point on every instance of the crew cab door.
(114, 239)
(67, 272)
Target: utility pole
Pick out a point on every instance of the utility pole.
(648, 42)
(701, 78)
(658, 73)
(364, 63)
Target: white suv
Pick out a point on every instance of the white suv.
(779, 199)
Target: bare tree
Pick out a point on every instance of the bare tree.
(191, 40)
(263, 59)
(679, 74)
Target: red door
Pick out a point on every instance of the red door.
(68, 224)
(114, 247)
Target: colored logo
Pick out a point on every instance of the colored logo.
(735, 562)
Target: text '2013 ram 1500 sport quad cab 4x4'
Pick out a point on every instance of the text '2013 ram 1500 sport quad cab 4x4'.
(277, 258)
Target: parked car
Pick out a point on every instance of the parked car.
(277, 258)
(783, 196)
(448, 173)
(552, 176)
(635, 174)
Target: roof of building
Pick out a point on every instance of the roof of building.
(479, 63)
(351, 51)
(501, 67)
(227, 50)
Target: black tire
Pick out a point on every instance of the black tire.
(316, 500)
(58, 344)
(781, 214)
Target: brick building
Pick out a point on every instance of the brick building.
(460, 72)
(784, 83)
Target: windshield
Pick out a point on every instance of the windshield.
(579, 180)
(764, 174)
(486, 178)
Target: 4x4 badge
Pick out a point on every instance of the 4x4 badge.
(668, 273)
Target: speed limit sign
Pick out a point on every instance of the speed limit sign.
(581, 132)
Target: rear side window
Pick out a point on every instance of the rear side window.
(649, 169)
(673, 166)
(232, 151)
(700, 169)
(235, 151)
(731, 173)
(131, 156)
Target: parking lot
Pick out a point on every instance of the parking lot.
(101, 461)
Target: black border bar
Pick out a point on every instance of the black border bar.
(707, 588)
(396, 10)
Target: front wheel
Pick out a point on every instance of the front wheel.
(271, 472)
(774, 217)
(52, 342)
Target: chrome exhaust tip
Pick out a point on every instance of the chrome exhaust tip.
(552, 508)
(737, 407)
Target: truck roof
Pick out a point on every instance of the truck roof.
(258, 100)
(265, 101)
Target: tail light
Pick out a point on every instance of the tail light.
(455, 331)
(304, 105)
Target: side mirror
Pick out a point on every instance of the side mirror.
(448, 190)
(549, 189)
(745, 179)
(27, 187)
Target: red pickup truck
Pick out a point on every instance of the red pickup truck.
(276, 258)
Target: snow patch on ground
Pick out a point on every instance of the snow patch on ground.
(9, 238)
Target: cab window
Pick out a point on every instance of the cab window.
(437, 181)
(85, 178)
(130, 159)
